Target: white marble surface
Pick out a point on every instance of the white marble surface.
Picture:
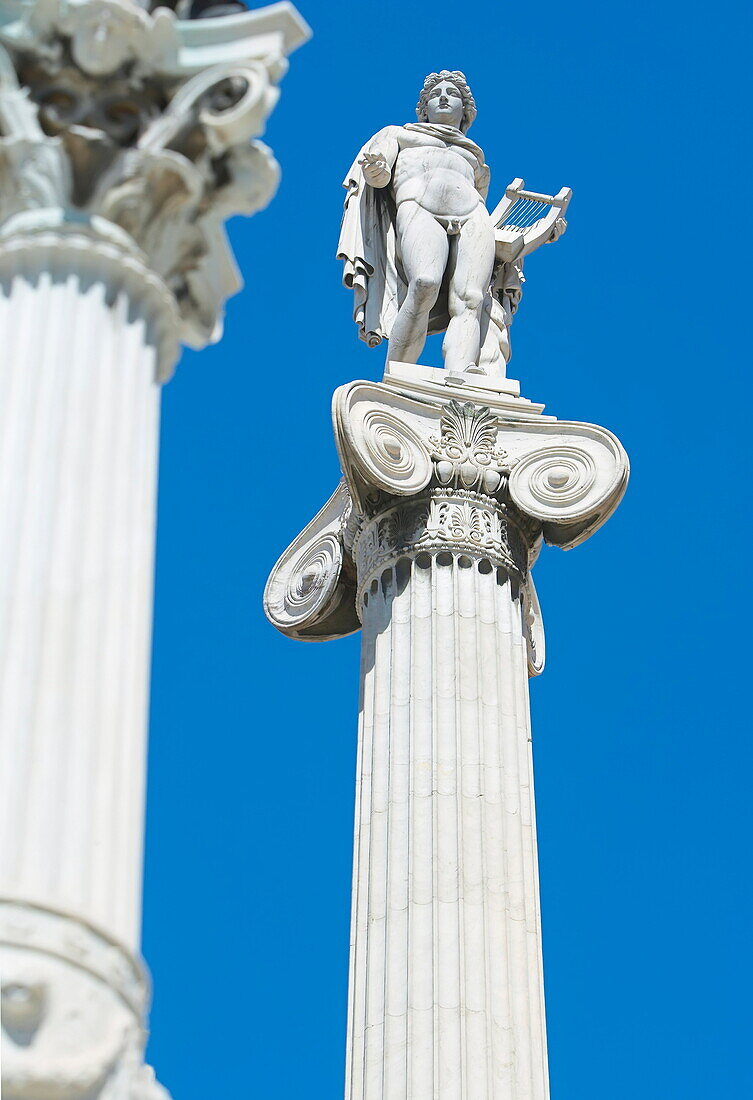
(446, 988)
(179, 157)
(79, 435)
(73, 1008)
(112, 254)
(422, 253)
(79, 422)
(449, 489)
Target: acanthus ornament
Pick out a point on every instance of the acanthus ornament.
(110, 112)
(102, 35)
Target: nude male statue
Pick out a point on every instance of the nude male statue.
(417, 240)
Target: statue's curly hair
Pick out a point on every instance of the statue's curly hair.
(456, 78)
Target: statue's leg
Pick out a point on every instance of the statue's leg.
(424, 250)
(471, 262)
(495, 335)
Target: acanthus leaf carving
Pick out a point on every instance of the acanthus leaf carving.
(34, 171)
(102, 35)
(103, 114)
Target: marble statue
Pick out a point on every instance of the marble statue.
(421, 251)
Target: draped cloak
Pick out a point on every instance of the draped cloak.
(368, 243)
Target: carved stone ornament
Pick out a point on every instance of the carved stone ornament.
(443, 519)
(466, 453)
(416, 236)
(111, 115)
(432, 467)
(73, 1005)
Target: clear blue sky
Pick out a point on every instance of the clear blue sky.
(640, 320)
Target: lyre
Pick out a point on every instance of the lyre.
(523, 220)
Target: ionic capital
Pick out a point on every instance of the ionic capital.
(430, 467)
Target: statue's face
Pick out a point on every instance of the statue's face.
(445, 104)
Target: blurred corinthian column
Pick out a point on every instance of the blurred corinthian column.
(127, 137)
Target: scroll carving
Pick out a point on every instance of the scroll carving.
(310, 592)
(426, 470)
(571, 486)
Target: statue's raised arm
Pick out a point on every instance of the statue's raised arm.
(421, 252)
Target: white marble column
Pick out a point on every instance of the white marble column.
(123, 147)
(79, 421)
(446, 987)
(428, 545)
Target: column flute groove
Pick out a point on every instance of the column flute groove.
(477, 787)
(421, 860)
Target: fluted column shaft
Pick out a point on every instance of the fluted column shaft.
(446, 987)
(79, 414)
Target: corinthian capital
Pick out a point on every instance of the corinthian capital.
(142, 128)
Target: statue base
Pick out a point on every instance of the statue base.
(492, 388)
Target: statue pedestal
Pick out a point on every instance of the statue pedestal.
(413, 374)
(428, 543)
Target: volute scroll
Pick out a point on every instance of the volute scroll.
(380, 446)
(310, 594)
(571, 484)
